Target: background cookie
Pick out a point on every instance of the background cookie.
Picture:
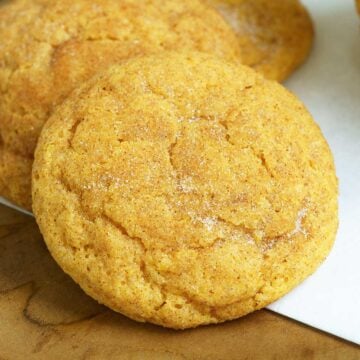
(49, 47)
(183, 190)
(275, 37)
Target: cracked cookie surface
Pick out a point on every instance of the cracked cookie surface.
(183, 190)
(275, 37)
(48, 48)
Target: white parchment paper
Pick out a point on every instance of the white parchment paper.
(329, 84)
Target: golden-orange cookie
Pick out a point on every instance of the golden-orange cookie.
(49, 47)
(184, 190)
(275, 37)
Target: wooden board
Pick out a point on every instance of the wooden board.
(45, 315)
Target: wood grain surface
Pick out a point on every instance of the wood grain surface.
(45, 315)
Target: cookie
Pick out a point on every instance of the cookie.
(275, 37)
(48, 48)
(182, 190)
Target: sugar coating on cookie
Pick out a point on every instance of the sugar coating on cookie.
(275, 37)
(48, 48)
(183, 190)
